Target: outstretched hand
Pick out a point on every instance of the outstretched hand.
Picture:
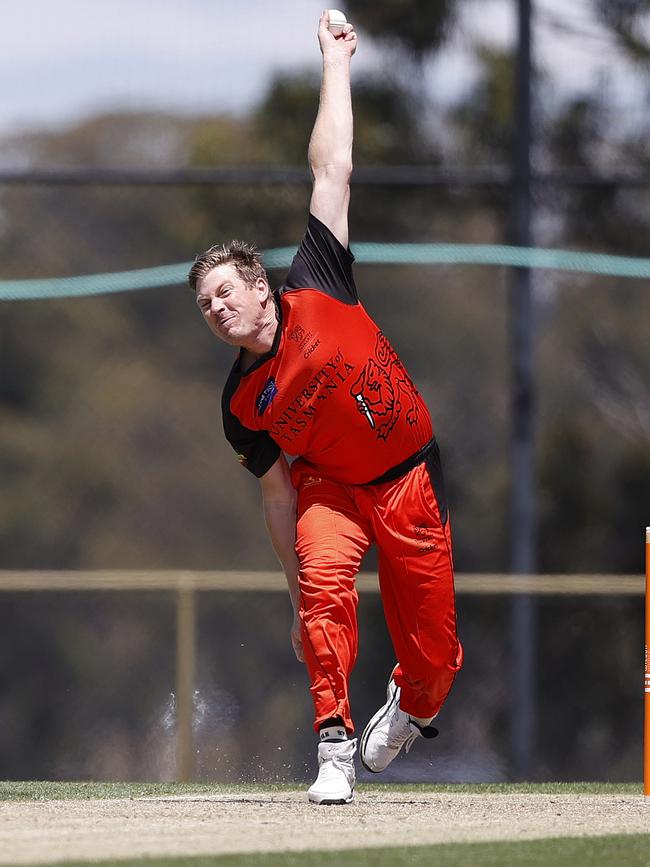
(343, 45)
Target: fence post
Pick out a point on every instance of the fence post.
(185, 675)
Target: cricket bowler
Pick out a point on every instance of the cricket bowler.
(315, 379)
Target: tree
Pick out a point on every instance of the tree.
(625, 19)
(483, 119)
(417, 27)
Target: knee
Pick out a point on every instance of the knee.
(326, 587)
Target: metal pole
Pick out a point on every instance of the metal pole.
(522, 460)
(185, 674)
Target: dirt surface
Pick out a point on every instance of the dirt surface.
(51, 831)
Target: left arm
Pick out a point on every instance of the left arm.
(330, 146)
(279, 500)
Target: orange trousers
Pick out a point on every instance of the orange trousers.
(408, 521)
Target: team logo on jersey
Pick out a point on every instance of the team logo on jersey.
(297, 333)
(267, 394)
(306, 340)
(383, 389)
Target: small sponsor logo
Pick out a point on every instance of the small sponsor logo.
(297, 333)
(242, 459)
(424, 538)
(304, 339)
(266, 395)
(314, 346)
(308, 481)
(328, 733)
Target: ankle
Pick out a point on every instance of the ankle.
(426, 730)
(421, 722)
(332, 730)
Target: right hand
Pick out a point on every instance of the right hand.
(345, 44)
(296, 638)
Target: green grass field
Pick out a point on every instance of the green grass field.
(629, 850)
(619, 851)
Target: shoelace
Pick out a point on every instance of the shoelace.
(341, 764)
(400, 732)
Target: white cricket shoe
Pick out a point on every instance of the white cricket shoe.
(388, 731)
(336, 777)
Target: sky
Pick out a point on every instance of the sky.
(65, 60)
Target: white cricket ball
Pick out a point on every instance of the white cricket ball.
(337, 22)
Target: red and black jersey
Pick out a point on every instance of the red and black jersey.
(331, 389)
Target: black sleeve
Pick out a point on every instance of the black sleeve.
(322, 262)
(255, 448)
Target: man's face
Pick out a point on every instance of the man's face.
(232, 310)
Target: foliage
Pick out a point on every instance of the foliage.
(418, 27)
(625, 18)
(91, 466)
(484, 118)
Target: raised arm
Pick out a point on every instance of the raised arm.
(330, 146)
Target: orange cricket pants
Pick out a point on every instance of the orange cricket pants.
(408, 520)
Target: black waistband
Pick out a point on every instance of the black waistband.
(406, 466)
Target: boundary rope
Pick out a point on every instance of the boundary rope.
(366, 253)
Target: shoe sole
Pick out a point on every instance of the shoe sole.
(372, 725)
(328, 802)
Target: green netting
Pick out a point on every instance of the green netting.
(368, 253)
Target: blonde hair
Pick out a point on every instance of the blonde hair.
(245, 257)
